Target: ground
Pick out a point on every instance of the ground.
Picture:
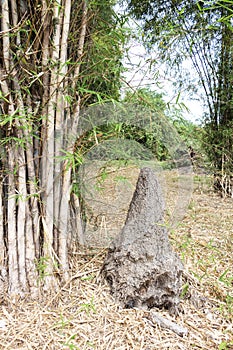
(82, 315)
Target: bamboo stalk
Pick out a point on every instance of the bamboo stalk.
(58, 15)
(82, 37)
(13, 277)
(5, 20)
(12, 232)
(15, 19)
(2, 245)
(21, 218)
(32, 218)
(47, 161)
(66, 179)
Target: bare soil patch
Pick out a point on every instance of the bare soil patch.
(83, 315)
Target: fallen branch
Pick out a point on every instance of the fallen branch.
(165, 323)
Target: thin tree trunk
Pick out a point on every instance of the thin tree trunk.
(14, 286)
(58, 16)
(2, 244)
(6, 40)
(66, 178)
(74, 203)
(21, 219)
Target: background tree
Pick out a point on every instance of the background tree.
(202, 32)
(147, 121)
(152, 136)
(44, 49)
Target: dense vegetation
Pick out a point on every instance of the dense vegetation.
(201, 32)
(56, 57)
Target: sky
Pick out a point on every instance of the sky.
(140, 75)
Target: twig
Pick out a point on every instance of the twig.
(165, 323)
(13, 29)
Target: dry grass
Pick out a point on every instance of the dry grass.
(83, 315)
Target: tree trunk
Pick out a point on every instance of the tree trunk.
(37, 123)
